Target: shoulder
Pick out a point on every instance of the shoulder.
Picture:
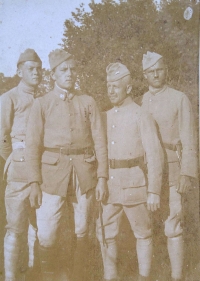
(85, 100)
(44, 99)
(10, 94)
(178, 94)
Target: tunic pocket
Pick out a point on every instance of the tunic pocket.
(17, 169)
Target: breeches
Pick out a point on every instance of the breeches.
(173, 225)
(18, 210)
(138, 216)
(50, 213)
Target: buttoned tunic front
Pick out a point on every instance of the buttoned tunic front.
(15, 110)
(173, 114)
(132, 133)
(57, 121)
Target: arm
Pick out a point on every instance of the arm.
(188, 139)
(154, 156)
(100, 146)
(7, 115)
(34, 148)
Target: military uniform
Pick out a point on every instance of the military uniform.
(132, 138)
(172, 112)
(66, 154)
(15, 109)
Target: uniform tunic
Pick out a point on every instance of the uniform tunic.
(173, 114)
(15, 109)
(65, 123)
(131, 133)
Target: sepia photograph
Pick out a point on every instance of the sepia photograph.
(99, 140)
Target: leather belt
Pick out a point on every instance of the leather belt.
(70, 151)
(172, 146)
(127, 163)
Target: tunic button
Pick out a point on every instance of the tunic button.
(71, 130)
(150, 100)
(113, 126)
(70, 159)
(112, 177)
(116, 110)
(22, 159)
(113, 142)
(69, 114)
(62, 96)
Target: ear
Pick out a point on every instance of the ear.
(19, 72)
(145, 76)
(52, 74)
(128, 89)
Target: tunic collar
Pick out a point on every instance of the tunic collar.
(23, 87)
(154, 91)
(125, 102)
(62, 93)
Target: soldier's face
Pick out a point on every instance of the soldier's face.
(65, 74)
(30, 72)
(156, 75)
(117, 92)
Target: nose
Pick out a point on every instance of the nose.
(69, 72)
(36, 71)
(155, 73)
(111, 90)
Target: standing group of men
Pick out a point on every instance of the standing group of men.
(57, 152)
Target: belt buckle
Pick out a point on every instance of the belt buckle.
(112, 163)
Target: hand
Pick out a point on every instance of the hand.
(35, 195)
(153, 202)
(101, 189)
(184, 184)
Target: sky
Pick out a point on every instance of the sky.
(36, 24)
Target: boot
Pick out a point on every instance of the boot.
(11, 255)
(109, 256)
(176, 253)
(80, 258)
(47, 257)
(144, 253)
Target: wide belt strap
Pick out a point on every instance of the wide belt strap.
(126, 163)
(70, 151)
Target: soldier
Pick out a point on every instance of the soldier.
(15, 109)
(62, 151)
(172, 112)
(131, 134)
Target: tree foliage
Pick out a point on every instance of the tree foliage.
(124, 31)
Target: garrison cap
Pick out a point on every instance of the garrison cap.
(116, 71)
(28, 55)
(58, 56)
(150, 59)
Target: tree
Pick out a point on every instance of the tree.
(112, 31)
(124, 31)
